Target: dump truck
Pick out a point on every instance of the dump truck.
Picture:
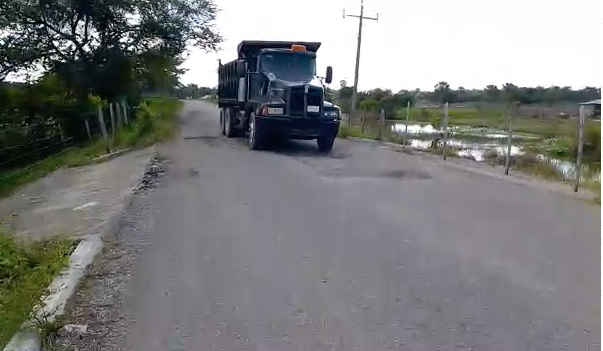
(272, 90)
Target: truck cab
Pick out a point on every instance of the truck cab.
(272, 90)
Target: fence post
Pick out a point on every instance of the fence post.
(112, 116)
(407, 117)
(62, 136)
(87, 128)
(101, 122)
(580, 148)
(118, 114)
(509, 141)
(363, 120)
(382, 124)
(445, 129)
(125, 111)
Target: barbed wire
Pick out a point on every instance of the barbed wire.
(64, 142)
(5, 129)
(35, 141)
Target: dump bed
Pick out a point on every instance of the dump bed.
(250, 48)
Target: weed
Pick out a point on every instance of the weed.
(350, 131)
(26, 269)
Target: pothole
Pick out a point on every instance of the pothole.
(405, 174)
(151, 176)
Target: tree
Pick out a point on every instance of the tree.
(442, 92)
(93, 42)
(511, 93)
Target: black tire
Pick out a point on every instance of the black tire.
(222, 113)
(229, 128)
(256, 138)
(325, 143)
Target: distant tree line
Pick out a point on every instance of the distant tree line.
(442, 92)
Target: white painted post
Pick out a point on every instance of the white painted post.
(445, 129)
(580, 148)
(407, 117)
(509, 141)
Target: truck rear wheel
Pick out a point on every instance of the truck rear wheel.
(256, 138)
(325, 143)
(222, 113)
(229, 129)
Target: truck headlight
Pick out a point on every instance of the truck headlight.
(332, 113)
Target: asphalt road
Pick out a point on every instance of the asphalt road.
(363, 249)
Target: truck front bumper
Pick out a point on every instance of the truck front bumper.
(297, 127)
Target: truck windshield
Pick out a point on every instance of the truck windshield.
(289, 66)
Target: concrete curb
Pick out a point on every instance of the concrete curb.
(63, 286)
(109, 156)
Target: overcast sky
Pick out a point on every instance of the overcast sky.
(415, 44)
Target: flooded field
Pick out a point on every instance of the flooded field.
(482, 145)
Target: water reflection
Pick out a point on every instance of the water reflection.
(478, 144)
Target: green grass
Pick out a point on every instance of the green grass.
(492, 118)
(26, 269)
(155, 122)
(529, 164)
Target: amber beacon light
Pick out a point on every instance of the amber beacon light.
(296, 47)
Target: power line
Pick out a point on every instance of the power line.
(355, 92)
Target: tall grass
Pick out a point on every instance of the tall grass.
(26, 269)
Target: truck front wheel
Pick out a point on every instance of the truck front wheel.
(256, 137)
(325, 143)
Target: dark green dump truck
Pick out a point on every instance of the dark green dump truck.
(272, 90)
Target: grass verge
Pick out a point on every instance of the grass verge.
(26, 270)
(155, 122)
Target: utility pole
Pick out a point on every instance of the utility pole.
(355, 92)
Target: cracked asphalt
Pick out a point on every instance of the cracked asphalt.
(362, 249)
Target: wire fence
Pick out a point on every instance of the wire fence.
(26, 143)
(504, 137)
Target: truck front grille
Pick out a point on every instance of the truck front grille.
(296, 101)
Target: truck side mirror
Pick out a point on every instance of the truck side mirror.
(241, 68)
(329, 77)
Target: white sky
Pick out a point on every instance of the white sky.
(415, 44)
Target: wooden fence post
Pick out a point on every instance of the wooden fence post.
(112, 116)
(87, 125)
(118, 115)
(62, 136)
(125, 111)
(381, 125)
(445, 129)
(103, 127)
(580, 148)
(363, 121)
(509, 140)
(407, 117)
